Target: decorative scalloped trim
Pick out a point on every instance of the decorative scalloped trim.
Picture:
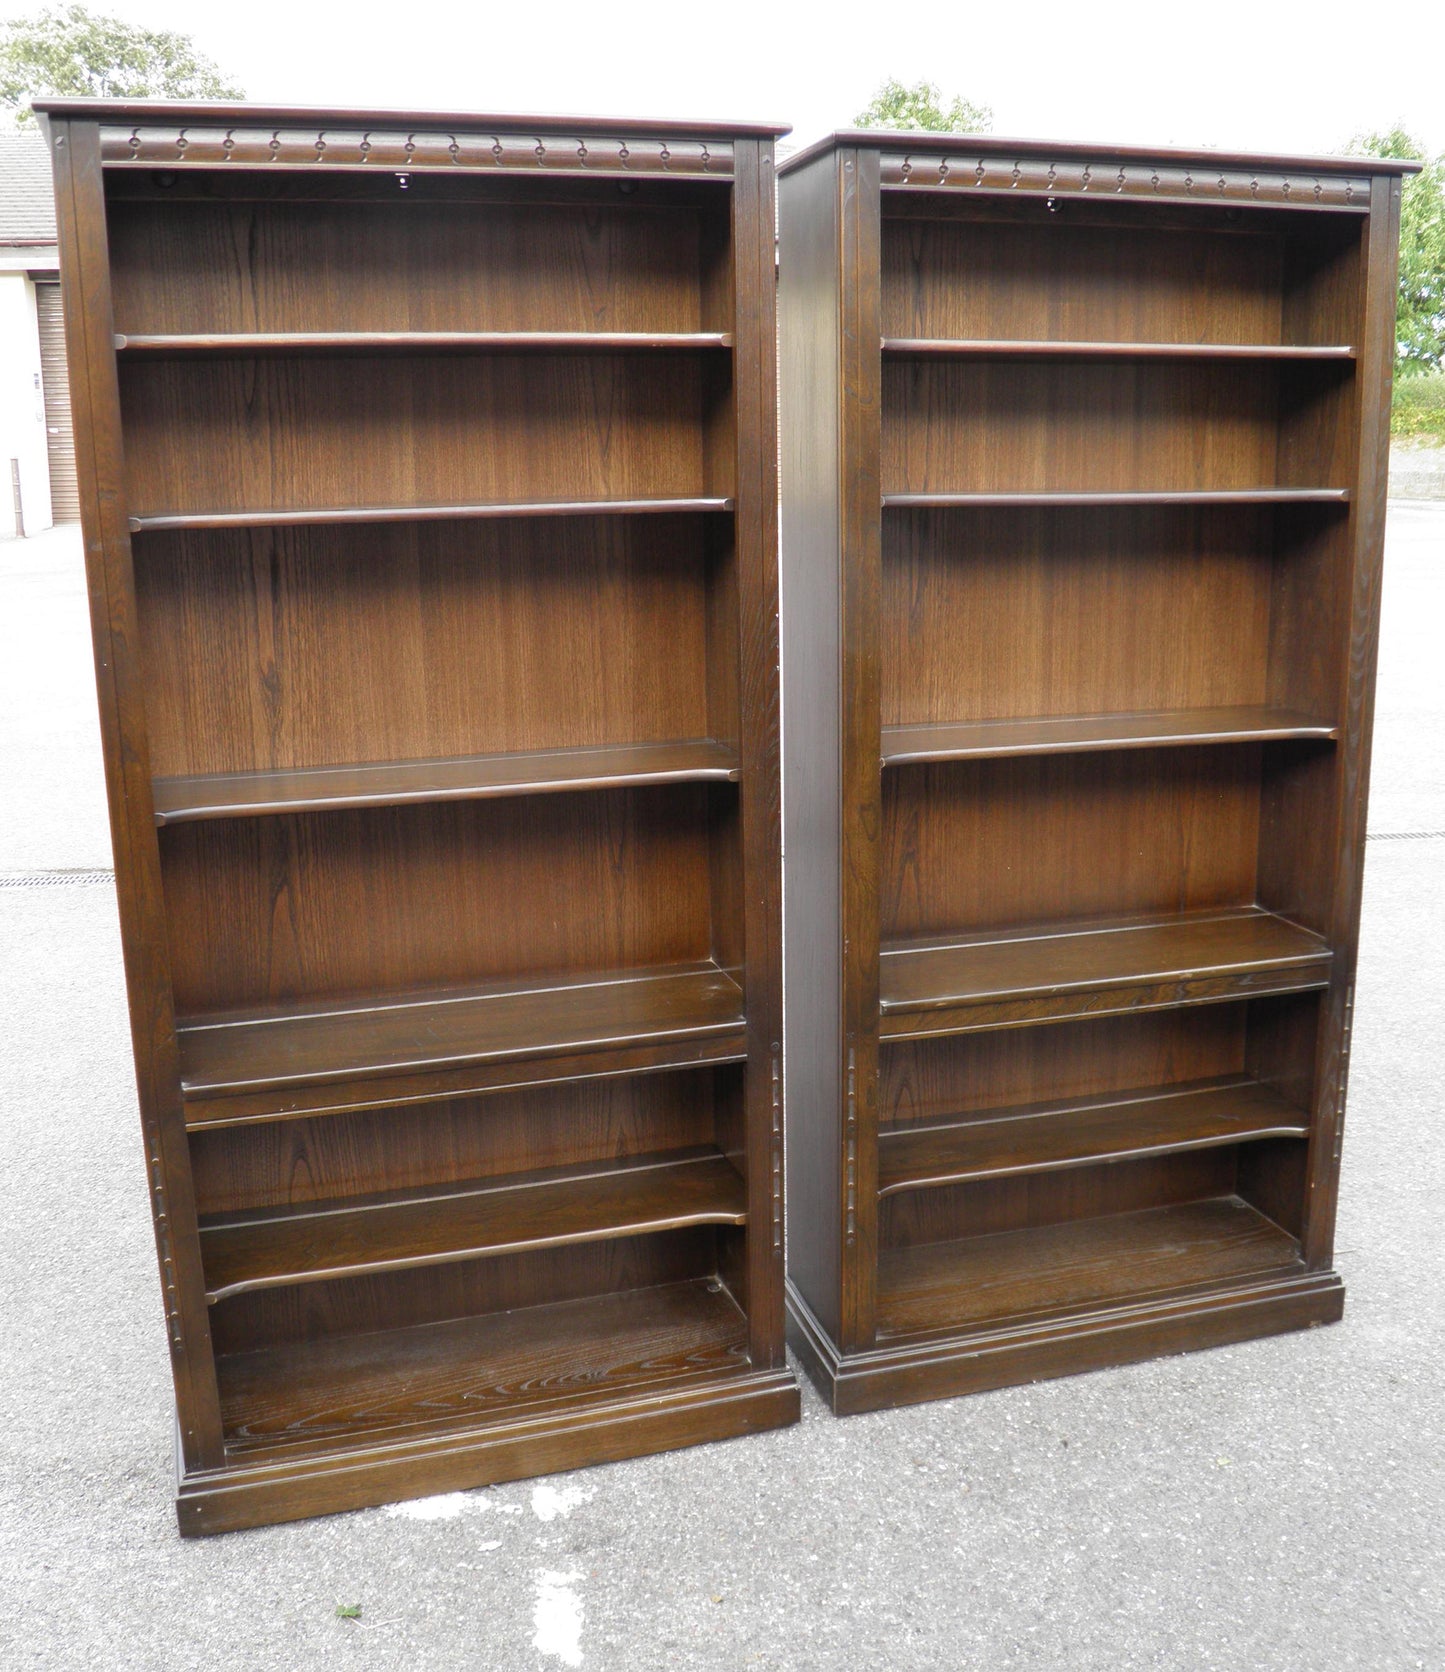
(1110, 177)
(415, 151)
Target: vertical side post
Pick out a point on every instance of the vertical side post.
(100, 467)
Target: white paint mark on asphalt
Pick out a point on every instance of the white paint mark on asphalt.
(558, 1617)
(548, 1502)
(448, 1506)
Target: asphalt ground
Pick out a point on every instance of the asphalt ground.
(1274, 1505)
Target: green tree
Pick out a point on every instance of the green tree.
(1420, 317)
(921, 107)
(70, 52)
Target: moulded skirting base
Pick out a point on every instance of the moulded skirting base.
(941, 1367)
(253, 1495)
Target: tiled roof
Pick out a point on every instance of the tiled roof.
(27, 200)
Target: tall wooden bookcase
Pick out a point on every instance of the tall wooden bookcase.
(1084, 460)
(429, 494)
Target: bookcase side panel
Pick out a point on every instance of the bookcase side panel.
(755, 520)
(80, 210)
(809, 321)
(1358, 651)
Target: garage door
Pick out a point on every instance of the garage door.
(64, 495)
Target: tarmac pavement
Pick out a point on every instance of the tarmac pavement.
(1271, 1507)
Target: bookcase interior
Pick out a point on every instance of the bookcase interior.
(447, 577)
(1101, 501)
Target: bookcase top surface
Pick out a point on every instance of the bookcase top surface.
(1002, 145)
(241, 112)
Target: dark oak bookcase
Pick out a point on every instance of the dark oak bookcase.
(1084, 461)
(428, 473)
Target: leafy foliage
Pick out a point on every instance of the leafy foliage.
(1420, 318)
(921, 107)
(1418, 410)
(70, 52)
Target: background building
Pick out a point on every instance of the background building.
(37, 460)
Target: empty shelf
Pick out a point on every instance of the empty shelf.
(418, 342)
(1083, 1263)
(474, 1370)
(306, 516)
(430, 1030)
(1002, 348)
(463, 1222)
(1068, 969)
(1157, 1120)
(476, 777)
(985, 739)
(1026, 497)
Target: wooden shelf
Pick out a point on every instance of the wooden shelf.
(1079, 1264)
(420, 342)
(469, 778)
(991, 739)
(401, 1230)
(1008, 348)
(427, 1031)
(303, 517)
(480, 1369)
(1149, 496)
(1068, 969)
(1158, 1120)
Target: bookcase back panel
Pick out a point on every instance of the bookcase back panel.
(996, 426)
(412, 265)
(1031, 1200)
(1072, 611)
(460, 1141)
(998, 844)
(278, 910)
(974, 1073)
(277, 648)
(350, 1306)
(393, 430)
(1058, 279)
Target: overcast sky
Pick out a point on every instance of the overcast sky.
(1268, 76)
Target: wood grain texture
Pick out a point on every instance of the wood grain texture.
(754, 897)
(1359, 579)
(1054, 1196)
(1122, 403)
(400, 1230)
(910, 1369)
(992, 843)
(247, 343)
(962, 1285)
(809, 303)
(473, 1368)
(290, 1164)
(121, 697)
(1058, 280)
(310, 907)
(1063, 959)
(283, 648)
(474, 778)
(1004, 348)
(276, 1047)
(1089, 733)
(1151, 1121)
(950, 1077)
(283, 434)
(454, 656)
(1073, 612)
(1033, 426)
(1127, 498)
(408, 511)
(198, 268)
